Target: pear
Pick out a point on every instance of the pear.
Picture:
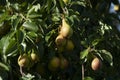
(70, 45)
(23, 60)
(66, 31)
(54, 64)
(96, 64)
(34, 57)
(65, 1)
(116, 7)
(63, 63)
(60, 40)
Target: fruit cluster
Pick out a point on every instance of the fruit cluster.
(25, 60)
(56, 63)
(63, 41)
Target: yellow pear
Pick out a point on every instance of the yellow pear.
(34, 57)
(96, 64)
(23, 60)
(66, 31)
(116, 7)
(60, 40)
(65, 1)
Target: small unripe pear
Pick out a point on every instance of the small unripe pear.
(54, 64)
(65, 1)
(34, 57)
(63, 63)
(69, 45)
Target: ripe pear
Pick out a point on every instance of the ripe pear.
(60, 40)
(23, 60)
(116, 7)
(66, 31)
(70, 45)
(96, 64)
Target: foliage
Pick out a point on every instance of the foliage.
(31, 26)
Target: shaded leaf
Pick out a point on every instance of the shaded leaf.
(107, 56)
(5, 67)
(48, 36)
(15, 21)
(34, 15)
(95, 42)
(20, 36)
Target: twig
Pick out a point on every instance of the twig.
(82, 72)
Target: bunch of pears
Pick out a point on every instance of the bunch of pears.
(26, 61)
(58, 63)
(63, 41)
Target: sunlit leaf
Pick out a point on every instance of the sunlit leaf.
(28, 77)
(30, 26)
(84, 53)
(32, 34)
(33, 9)
(34, 15)
(11, 46)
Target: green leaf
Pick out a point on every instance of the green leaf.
(49, 35)
(27, 77)
(4, 42)
(5, 67)
(33, 9)
(8, 44)
(15, 21)
(95, 42)
(30, 26)
(88, 78)
(34, 15)
(20, 36)
(11, 46)
(84, 53)
(32, 34)
(62, 5)
(84, 43)
(4, 16)
(107, 56)
(49, 4)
